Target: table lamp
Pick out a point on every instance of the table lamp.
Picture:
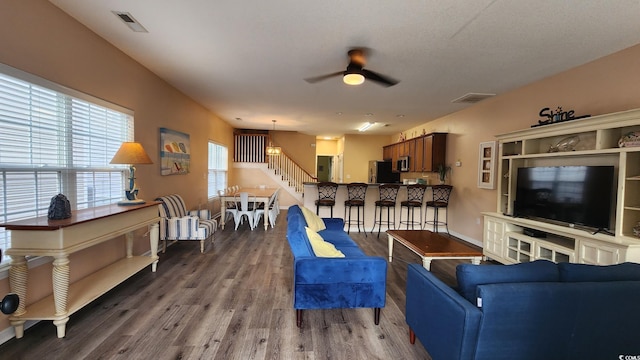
(131, 153)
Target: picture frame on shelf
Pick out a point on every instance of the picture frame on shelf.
(487, 165)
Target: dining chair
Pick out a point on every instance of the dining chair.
(245, 206)
(229, 205)
(270, 209)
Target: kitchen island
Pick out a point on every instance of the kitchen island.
(372, 195)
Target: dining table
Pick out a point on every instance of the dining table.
(262, 196)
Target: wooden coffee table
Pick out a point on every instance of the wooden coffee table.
(429, 246)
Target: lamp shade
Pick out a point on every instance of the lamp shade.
(131, 153)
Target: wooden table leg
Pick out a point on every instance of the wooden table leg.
(426, 263)
(18, 274)
(390, 247)
(223, 211)
(154, 236)
(60, 277)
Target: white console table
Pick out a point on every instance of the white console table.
(60, 238)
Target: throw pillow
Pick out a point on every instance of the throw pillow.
(314, 222)
(320, 247)
(583, 272)
(470, 276)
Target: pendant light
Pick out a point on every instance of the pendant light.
(273, 150)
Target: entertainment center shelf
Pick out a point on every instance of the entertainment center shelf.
(585, 142)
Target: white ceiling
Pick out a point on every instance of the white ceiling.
(248, 59)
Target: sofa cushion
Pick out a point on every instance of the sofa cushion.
(583, 272)
(320, 247)
(314, 222)
(338, 238)
(470, 276)
(351, 251)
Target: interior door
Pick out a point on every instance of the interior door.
(324, 167)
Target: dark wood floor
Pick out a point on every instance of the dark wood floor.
(233, 302)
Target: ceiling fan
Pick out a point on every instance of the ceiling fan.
(356, 73)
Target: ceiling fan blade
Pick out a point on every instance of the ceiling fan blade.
(380, 79)
(316, 79)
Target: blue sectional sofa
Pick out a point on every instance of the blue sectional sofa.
(538, 310)
(353, 281)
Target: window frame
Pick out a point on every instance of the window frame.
(67, 175)
(209, 169)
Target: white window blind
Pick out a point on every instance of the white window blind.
(218, 167)
(53, 141)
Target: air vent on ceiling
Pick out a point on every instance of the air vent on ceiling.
(472, 98)
(130, 21)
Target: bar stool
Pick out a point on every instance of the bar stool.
(326, 195)
(441, 194)
(415, 196)
(355, 198)
(388, 196)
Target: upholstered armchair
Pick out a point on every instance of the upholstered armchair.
(178, 224)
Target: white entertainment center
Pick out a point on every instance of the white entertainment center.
(504, 237)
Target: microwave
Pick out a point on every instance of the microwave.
(403, 163)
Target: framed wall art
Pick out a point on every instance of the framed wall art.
(486, 165)
(174, 152)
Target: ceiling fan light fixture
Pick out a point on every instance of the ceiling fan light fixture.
(353, 79)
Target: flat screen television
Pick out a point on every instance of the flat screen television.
(575, 195)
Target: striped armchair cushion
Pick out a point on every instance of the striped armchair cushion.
(178, 224)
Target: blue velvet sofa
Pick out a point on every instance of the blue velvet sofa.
(537, 310)
(353, 281)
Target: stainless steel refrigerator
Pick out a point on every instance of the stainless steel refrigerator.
(380, 172)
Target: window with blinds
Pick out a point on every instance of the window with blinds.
(55, 140)
(218, 166)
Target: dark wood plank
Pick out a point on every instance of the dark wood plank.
(232, 302)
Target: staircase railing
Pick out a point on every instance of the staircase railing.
(290, 171)
(252, 148)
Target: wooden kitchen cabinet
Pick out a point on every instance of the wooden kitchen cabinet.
(434, 151)
(387, 153)
(411, 144)
(425, 152)
(417, 160)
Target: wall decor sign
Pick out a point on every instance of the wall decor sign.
(552, 117)
(487, 165)
(175, 148)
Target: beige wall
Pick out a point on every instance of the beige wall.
(299, 147)
(38, 38)
(606, 85)
(358, 150)
(326, 147)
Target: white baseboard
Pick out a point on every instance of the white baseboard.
(354, 228)
(9, 333)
